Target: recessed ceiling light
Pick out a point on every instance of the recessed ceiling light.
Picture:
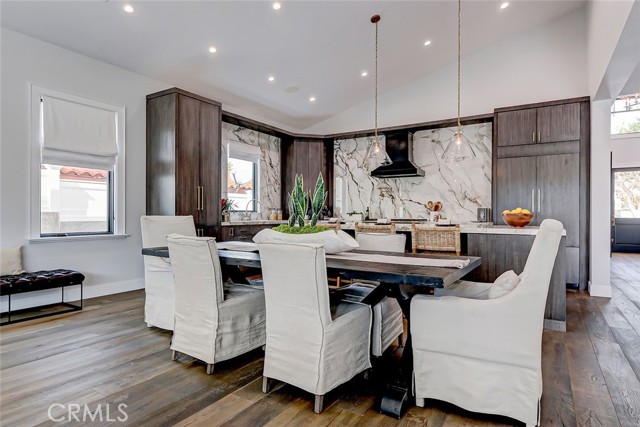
(128, 8)
(312, 99)
(427, 43)
(504, 5)
(271, 78)
(364, 74)
(277, 6)
(213, 49)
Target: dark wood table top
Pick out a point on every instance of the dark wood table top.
(402, 274)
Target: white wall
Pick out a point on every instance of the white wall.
(109, 265)
(538, 65)
(613, 55)
(605, 22)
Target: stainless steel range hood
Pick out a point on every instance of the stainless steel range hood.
(399, 146)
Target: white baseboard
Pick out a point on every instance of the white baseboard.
(50, 296)
(599, 291)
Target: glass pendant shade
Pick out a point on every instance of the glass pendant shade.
(376, 154)
(458, 148)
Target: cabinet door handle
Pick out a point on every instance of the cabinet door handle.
(533, 138)
(231, 231)
(539, 201)
(533, 201)
(538, 136)
(202, 198)
(197, 198)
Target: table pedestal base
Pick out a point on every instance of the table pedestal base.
(395, 400)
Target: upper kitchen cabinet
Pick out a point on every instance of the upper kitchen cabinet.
(183, 157)
(551, 123)
(308, 157)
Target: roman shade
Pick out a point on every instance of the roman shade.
(248, 152)
(75, 134)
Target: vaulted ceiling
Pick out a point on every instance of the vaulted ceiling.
(311, 48)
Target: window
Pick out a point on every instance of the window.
(242, 176)
(626, 193)
(625, 115)
(77, 161)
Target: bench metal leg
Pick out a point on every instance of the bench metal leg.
(70, 307)
(209, 368)
(174, 355)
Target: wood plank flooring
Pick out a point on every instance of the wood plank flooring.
(106, 354)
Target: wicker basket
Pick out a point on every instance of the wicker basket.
(435, 239)
(375, 228)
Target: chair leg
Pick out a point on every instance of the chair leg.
(266, 384)
(209, 368)
(174, 355)
(420, 402)
(318, 405)
(400, 339)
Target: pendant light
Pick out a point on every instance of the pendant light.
(458, 148)
(376, 154)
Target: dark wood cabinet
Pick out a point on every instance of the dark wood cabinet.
(242, 233)
(559, 123)
(516, 127)
(549, 176)
(515, 179)
(183, 157)
(309, 157)
(504, 252)
(558, 193)
(553, 123)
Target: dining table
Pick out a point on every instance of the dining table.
(396, 275)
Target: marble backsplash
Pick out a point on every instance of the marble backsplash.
(269, 169)
(461, 187)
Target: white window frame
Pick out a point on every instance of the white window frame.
(37, 92)
(250, 153)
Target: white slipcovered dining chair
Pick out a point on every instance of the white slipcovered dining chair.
(484, 353)
(387, 314)
(310, 344)
(214, 322)
(158, 277)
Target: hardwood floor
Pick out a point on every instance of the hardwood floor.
(106, 354)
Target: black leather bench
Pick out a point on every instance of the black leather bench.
(39, 281)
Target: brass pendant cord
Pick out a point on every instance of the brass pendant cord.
(459, 32)
(375, 19)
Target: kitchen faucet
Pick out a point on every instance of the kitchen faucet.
(246, 215)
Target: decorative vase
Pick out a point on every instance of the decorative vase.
(226, 217)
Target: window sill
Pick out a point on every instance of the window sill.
(78, 238)
(625, 135)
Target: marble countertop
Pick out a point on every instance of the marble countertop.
(480, 228)
(253, 222)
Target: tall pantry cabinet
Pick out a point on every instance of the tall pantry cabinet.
(541, 162)
(183, 157)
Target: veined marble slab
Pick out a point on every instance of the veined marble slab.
(269, 169)
(461, 187)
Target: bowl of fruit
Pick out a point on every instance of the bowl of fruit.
(517, 217)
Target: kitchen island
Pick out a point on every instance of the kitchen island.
(504, 248)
